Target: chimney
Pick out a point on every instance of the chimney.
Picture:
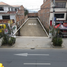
(44, 1)
(21, 7)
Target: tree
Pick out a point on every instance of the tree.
(25, 12)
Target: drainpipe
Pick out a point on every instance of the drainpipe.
(53, 22)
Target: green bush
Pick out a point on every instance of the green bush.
(1, 35)
(5, 40)
(8, 40)
(11, 41)
(57, 41)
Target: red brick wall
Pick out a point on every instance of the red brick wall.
(32, 14)
(5, 21)
(20, 15)
(25, 17)
(44, 13)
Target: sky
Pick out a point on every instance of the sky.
(29, 4)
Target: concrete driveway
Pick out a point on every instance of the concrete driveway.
(32, 36)
(32, 28)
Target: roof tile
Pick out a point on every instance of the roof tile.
(2, 3)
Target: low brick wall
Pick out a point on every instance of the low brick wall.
(44, 14)
(33, 15)
(26, 17)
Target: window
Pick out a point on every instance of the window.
(6, 17)
(59, 15)
(60, 4)
(1, 9)
(9, 9)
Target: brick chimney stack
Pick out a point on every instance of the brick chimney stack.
(44, 1)
(21, 7)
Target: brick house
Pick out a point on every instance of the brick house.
(46, 12)
(20, 15)
(11, 12)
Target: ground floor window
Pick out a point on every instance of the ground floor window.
(6, 17)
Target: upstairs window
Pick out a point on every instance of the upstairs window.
(15, 9)
(60, 4)
(9, 9)
(1, 9)
(59, 15)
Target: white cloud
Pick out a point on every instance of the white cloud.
(29, 4)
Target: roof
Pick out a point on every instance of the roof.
(15, 5)
(9, 12)
(61, 0)
(2, 3)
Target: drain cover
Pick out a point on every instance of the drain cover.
(32, 48)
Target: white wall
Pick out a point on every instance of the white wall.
(13, 9)
(58, 10)
(6, 9)
(13, 17)
(66, 4)
(51, 15)
(0, 17)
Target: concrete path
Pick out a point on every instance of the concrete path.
(32, 36)
(32, 42)
(32, 28)
(64, 42)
